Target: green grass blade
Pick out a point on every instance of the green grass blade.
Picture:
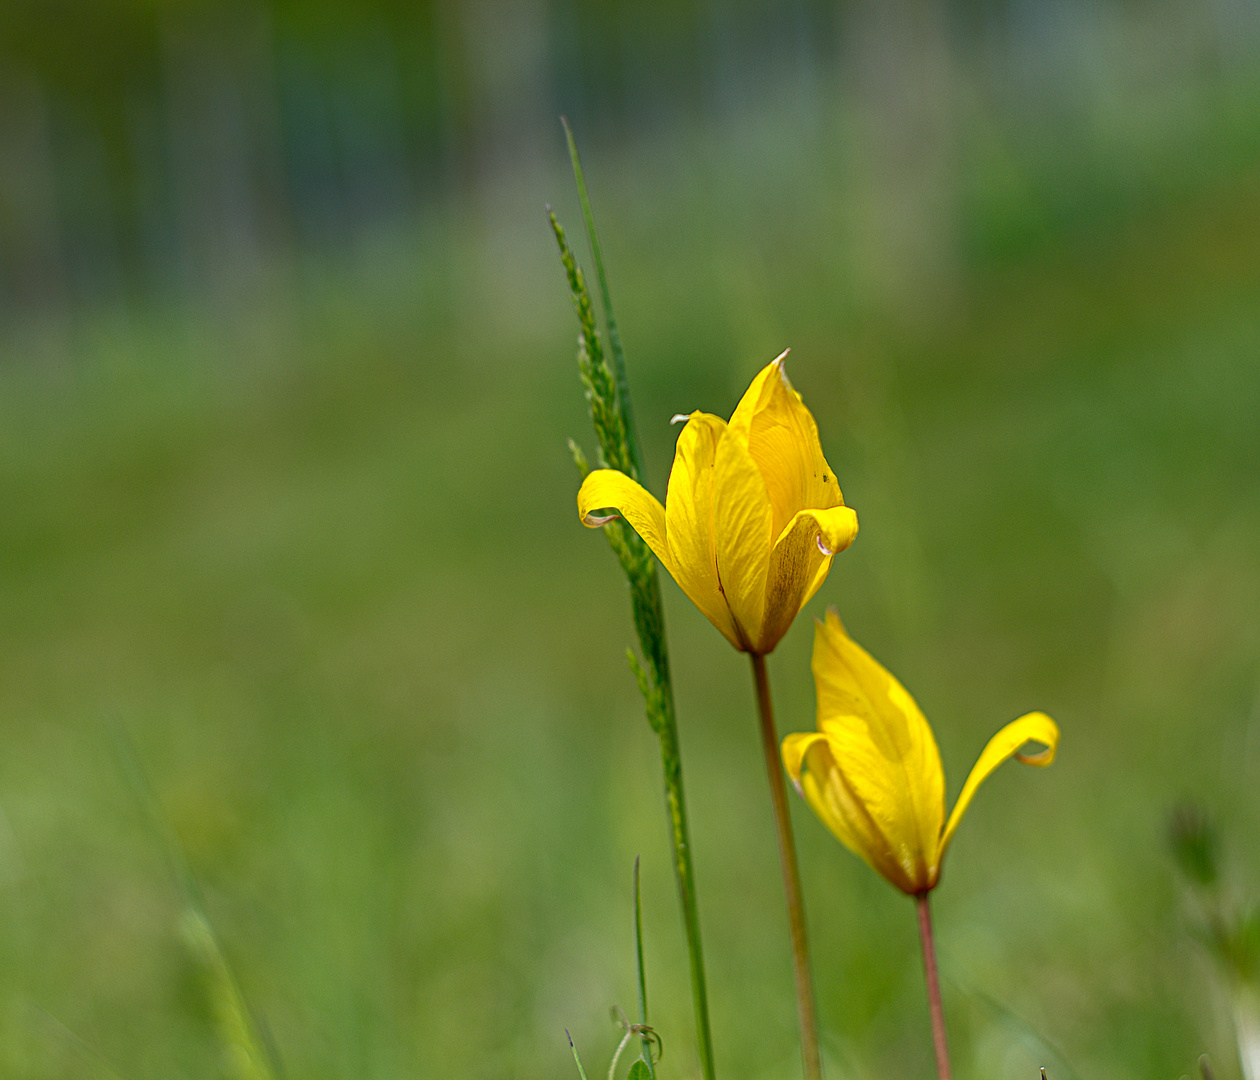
(614, 336)
(642, 976)
(578, 1060)
(249, 1052)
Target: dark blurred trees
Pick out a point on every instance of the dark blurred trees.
(160, 143)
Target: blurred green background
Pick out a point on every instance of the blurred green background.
(286, 372)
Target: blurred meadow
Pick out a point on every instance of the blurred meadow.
(292, 584)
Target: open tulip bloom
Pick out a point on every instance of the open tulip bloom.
(872, 773)
(753, 513)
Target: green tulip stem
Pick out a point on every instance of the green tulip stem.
(933, 987)
(805, 1007)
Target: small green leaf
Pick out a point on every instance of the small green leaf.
(639, 1071)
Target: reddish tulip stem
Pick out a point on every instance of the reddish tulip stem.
(933, 986)
(791, 875)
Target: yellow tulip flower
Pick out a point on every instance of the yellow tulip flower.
(872, 771)
(753, 513)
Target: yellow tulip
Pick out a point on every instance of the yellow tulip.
(872, 771)
(753, 513)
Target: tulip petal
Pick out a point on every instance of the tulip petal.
(605, 488)
(890, 759)
(799, 564)
(782, 437)
(742, 538)
(1035, 727)
(689, 517)
(813, 760)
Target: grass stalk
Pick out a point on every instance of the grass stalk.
(807, 1012)
(609, 400)
(614, 335)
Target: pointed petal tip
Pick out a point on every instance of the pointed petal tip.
(594, 521)
(680, 418)
(781, 357)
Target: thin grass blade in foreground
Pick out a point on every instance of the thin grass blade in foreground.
(581, 1071)
(609, 400)
(248, 1052)
(645, 1032)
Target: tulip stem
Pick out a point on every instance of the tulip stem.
(805, 1007)
(933, 987)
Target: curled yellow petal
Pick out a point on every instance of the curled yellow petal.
(837, 529)
(1034, 727)
(799, 564)
(609, 489)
